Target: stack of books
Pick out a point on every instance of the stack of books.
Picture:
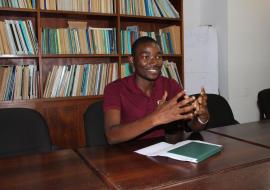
(168, 38)
(79, 41)
(156, 8)
(18, 82)
(28, 4)
(100, 6)
(17, 37)
(79, 80)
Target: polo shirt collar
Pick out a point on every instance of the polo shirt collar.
(133, 87)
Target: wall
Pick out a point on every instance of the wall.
(248, 55)
(244, 44)
(214, 12)
(192, 13)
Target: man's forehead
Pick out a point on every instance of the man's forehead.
(146, 47)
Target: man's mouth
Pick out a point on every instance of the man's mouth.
(153, 70)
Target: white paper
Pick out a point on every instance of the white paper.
(154, 150)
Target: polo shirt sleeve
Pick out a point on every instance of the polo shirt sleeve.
(111, 97)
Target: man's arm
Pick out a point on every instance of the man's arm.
(169, 111)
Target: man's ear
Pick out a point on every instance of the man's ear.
(131, 60)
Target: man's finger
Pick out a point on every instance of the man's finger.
(164, 97)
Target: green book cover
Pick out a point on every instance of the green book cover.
(197, 150)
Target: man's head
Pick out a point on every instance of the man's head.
(146, 58)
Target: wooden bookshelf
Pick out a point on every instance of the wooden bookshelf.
(64, 116)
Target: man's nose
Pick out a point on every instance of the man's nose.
(154, 60)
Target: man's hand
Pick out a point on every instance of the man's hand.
(173, 110)
(201, 110)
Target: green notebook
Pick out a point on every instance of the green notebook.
(196, 150)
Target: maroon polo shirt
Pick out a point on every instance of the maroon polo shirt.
(124, 95)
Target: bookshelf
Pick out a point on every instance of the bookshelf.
(64, 115)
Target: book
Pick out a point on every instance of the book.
(190, 150)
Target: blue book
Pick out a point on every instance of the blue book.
(11, 81)
(159, 9)
(88, 42)
(33, 4)
(26, 37)
(129, 42)
(147, 8)
(83, 80)
(169, 39)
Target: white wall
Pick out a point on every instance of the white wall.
(214, 12)
(248, 55)
(192, 13)
(244, 48)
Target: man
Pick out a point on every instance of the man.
(136, 106)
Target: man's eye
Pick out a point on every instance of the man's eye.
(146, 56)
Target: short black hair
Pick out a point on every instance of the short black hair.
(141, 40)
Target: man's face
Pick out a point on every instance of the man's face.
(148, 61)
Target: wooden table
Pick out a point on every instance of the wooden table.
(255, 132)
(54, 171)
(239, 166)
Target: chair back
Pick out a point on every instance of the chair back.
(220, 111)
(23, 131)
(263, 102)
(94, 125)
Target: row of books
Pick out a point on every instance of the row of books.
(28, 4)
(79, 80)
(100, 6)
(169, 70)
(17, 37)
(157, 8)
(18, 82)
(168, 38)
(79, 41)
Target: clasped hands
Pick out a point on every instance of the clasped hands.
(182, 107)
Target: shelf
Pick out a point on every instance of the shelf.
(147, 18)
(18, 56)
(78, 55)
(75, 14)
(11, 102)
(164, 55)
(18, 11)
(40, 100)
(72, 98)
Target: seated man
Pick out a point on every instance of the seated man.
(136, 106)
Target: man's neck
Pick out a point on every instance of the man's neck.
(145, 85)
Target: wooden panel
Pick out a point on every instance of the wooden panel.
(65, 120)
